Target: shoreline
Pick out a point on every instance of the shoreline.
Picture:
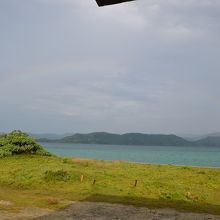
(141, 163)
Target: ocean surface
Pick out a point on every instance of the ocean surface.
(193, 156)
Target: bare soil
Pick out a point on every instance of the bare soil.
(103, 211)
(23, 213)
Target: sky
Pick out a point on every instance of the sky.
(150, 66)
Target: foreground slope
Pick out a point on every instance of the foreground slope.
(51, 182)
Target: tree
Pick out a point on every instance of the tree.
(18, 142)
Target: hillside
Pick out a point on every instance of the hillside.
(209, 141)
(51, 136)
(124, 139)
(194, 137)
(135, 139)
(51, 182)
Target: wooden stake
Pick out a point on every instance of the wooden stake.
(94, 182)
(81, 179)
(135, 183)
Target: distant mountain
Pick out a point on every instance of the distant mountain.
(124, 139)
(50, 136)
(194, 137)
(217, 134)
(209, 141)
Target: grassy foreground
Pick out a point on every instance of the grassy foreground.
(51, 182)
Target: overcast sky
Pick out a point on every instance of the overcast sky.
(149, 66)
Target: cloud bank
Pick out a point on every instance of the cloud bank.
(148, 66)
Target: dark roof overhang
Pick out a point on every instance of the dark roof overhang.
(110, 2)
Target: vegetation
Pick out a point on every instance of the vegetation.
(52, 182)
(18, 142)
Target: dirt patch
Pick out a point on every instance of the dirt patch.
(104, 211)
(5, 203)
(23, 213)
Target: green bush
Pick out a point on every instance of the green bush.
(59, 175)
(18, 142)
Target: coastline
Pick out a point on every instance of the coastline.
(140, 163)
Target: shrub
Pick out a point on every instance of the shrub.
(59, 175)
(171, 196)
(18, 142)
(4, 152)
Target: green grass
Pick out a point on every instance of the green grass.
(51, 182)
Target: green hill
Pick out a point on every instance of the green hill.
(209, 141)
(135, 139)
(126, 139)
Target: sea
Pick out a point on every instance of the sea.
(177, 155)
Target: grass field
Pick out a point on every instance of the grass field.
(51, 182)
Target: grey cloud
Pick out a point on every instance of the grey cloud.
(148, 66)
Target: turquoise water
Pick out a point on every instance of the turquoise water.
(194, 156)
